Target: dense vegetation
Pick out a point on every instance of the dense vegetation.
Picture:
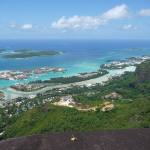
(143, 72)
(58, 119)
(131, 111)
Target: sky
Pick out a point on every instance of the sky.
(68, 19)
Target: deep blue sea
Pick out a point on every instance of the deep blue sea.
(78, 55)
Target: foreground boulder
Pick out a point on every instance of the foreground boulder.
(133, 139)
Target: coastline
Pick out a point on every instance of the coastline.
(128, 65)
(11, 93)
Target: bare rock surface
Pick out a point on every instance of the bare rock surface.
(132, 139)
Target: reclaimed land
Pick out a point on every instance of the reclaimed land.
(74, 79)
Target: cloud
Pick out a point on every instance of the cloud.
(13, 25)
(23, 26)
(75, 22)
(26, 26)
(145, 12)
(91, 22)
(129, 27)
(117, 12)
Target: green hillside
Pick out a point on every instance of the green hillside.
(131, 111)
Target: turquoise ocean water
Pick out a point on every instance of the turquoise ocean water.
(78, 55)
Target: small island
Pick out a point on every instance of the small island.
(28, 53)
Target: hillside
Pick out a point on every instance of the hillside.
(143, 72)
(132, 109)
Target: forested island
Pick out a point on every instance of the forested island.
(28, 53)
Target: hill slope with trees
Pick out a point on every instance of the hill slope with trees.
(132, 110)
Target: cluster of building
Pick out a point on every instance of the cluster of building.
(125, 63)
